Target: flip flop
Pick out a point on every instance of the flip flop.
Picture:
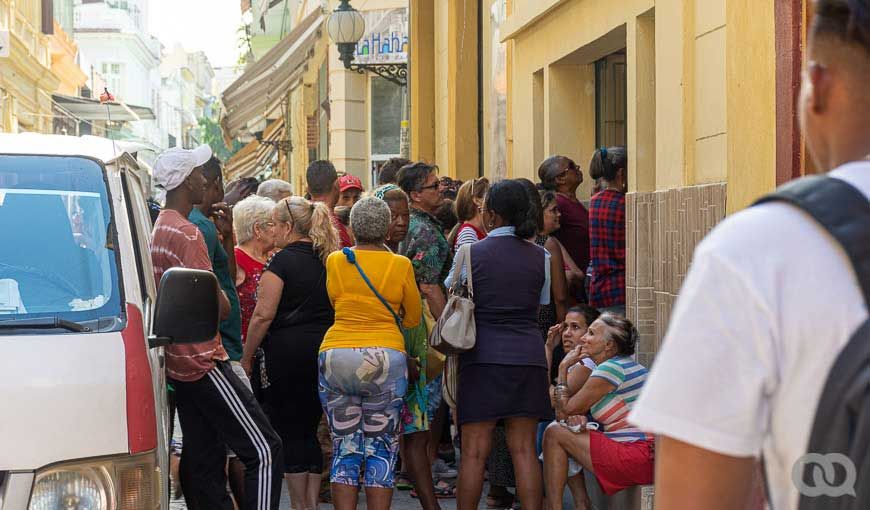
(403, 483)
(442, 491)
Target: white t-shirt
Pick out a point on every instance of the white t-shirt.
(770, 301)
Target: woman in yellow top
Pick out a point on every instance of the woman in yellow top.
(363, 371)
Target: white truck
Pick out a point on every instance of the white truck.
(83, 416)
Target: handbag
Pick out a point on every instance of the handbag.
(434, 359)
(455, 331)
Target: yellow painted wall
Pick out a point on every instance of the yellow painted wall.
(421, 86)
(641, 56)
(700, 86)
(452, 67)
(671, 94)
(708, 81)
(751, 103)
(442, 83)
(562, 42)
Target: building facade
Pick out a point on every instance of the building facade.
(700, 92)
(26, 76)
(186, 93)
(116, 52)
(314, 108)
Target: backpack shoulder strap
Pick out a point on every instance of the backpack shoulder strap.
(841, 209)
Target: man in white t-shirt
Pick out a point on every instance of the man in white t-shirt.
(769, 303)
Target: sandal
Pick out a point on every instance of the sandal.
(403, 483)
(443, 490)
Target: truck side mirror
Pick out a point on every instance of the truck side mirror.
(187, 309)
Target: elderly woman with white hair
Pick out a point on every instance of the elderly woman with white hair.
(255, 235)
(275, 189)
(363, 372)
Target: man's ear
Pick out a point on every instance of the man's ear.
(819, 81)
(188, 186)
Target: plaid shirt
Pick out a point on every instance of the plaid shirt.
(607, 249)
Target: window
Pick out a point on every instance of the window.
(113, 74)
(58, 257)
(610, 101)
(386, 118)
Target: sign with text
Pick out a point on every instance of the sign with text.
(4, 44)
(386, 37)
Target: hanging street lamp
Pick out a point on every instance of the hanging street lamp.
(346, 27)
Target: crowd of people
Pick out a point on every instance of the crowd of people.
(327, 304)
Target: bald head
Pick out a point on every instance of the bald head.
(834, 100)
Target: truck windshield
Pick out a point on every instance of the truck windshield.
(57, 255)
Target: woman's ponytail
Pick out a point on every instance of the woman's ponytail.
(322, 232)
(606, 163)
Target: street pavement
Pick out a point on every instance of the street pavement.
(401, 501)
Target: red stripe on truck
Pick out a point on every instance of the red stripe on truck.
(141, 416)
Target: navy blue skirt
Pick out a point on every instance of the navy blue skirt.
(494, 392)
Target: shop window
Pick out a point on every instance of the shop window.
(386, 118)
(610, 101)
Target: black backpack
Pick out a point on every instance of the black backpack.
(842, 421)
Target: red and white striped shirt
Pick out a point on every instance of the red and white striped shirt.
(176, 242)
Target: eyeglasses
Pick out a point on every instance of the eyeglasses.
(431, 186)
(292, 219)
(571, 166)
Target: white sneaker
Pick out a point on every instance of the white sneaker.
(441, 470)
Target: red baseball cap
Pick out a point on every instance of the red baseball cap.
(346, 182)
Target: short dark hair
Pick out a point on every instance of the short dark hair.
(212, 169)
(622, 331)
(342, 213)
(321, 176)
(606, 163)
(395, 195)
(446, 214)
(412, 176)
(547, 197)
(388, 172)
(589, 313)
(510, 200)
(846, 20)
